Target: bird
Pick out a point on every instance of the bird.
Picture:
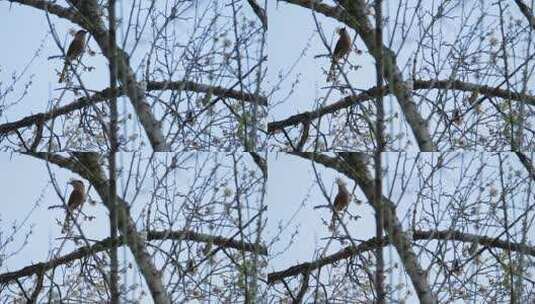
(76, 48)
(342, 48)
(456, 117)
(456, 267)
(76, 199)
(341, 201)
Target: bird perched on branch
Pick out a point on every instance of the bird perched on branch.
(76, 48)
(342, 48)
(341, 201)
(456, 117)
(76, 199)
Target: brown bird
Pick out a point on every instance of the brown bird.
(456, 267)
(341, 201)
(342, 48)
(456, 117)
(76, 199)
(76, 48)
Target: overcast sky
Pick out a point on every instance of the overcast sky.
(292, 187)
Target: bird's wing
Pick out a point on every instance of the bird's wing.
(75, 199)
(342, 46)
(76, 47)
(340, 201)
(338, 49)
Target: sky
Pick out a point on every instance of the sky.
(294, 199)
(30, 195)
(30, 46)
(292, 189)
(301, 35)
(33, 50)
(298, 53)
(292, 195)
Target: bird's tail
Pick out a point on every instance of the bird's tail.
(64, 72)
(332, 72)
(65, 223)
(333, 222)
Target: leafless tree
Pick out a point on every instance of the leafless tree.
(458, 228)
(194, 77)
(457, 75)
(192, 223)
(188, 74)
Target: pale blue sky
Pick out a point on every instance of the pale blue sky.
(292, 190)
(28, 194)
(292, 195)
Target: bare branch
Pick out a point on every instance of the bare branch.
(354, 165)
(108, 243)
(88, 166)
(260, 13)
(106, 94)
(371, 244)
(355, 16)
(367, 95)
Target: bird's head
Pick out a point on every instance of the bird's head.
(340, 182)
(76, 183)
(342, 31)
(80, 34)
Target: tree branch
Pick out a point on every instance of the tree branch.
(106, 94)
(350, 251)
(355, 15)
(526, 11)
(527, 163)
(260, 13)
(88, 166)
(351, 100)
(260, 162)
(89, 18)
(107, 243)
(354, 165)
